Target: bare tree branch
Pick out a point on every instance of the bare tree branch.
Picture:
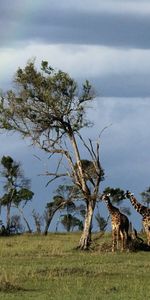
(86, 146)
(104, 129)
(56, 176)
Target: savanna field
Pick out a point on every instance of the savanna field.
(39, 267)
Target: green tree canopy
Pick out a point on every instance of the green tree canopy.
(69, 222)
(47, 102)
(116, 194)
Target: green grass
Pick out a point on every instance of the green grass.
(38, 267)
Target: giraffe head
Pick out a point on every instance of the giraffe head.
(128, 194)
(141, 209)
(105, 197)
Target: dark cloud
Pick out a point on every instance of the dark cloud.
(125, 144)
(126, 85)
(56, 25)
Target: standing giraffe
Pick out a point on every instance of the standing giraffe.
(120, 225)
(142, 210)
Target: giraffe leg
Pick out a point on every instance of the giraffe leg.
(118, 236)
(122, 240)
(147, 231)
(148, 236)
(113, 240)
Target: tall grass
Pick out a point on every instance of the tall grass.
(39, 267)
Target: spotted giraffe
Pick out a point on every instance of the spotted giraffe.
(143, 211)
(120, 225)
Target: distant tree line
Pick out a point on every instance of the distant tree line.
(67, 201)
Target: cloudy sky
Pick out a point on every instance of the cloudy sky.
(107, 42)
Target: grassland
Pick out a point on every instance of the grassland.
(38, 267)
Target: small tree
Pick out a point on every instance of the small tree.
(50, 108)
(63, 200)
(38, 220)
(146, 197)
(101, 222)
(70, 222)
(15, 224)
(15, 187)
(51, 208)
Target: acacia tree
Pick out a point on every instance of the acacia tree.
(69, 222)
(64, 198)
(49, 107)
(58, 202)
(16, 188)
(15, 224)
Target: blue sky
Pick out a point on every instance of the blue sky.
(107, 42)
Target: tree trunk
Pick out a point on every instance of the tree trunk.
(8, 216)
(48, 222)
(85, 239)
(51, 215)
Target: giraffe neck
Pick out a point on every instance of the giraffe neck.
(141, 209)
(112, 209)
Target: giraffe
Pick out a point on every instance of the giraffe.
(120, 225)
(143, 211)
